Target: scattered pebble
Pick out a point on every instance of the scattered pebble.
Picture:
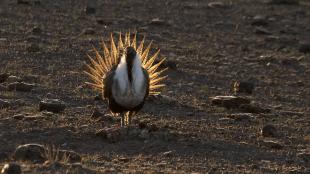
(20, 86)
(18, 116)
(243, 87)
(88, 31)
(33, 117)
(4, 77)
(12, 79)
(11, 168)
(272, 144)
(269, 131)
(52, 105)
(157, 22)
(216, 4)
(261, 30)
(168, 153)
(4, 104)
(259, 20)
(229, 102)
(33, 38)
(29, 152)
(36, 30)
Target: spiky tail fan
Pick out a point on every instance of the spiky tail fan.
(103, 63)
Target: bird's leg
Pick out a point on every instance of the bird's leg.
(123, 120)
(127, 118)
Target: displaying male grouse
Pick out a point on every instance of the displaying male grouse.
(126, 75)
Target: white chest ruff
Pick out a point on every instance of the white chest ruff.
(128, 94)
(130, 98)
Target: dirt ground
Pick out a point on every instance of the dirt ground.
(212, 45)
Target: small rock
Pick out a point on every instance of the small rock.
(52, 105)
(20, 86)
(12, 79)
(243, 87)
(251, 108)
(269, 131)
(33, 47)
(33, 38)
(157, 22)
(4, 104)
(229, 101)
(11, 168)
(216, 4)
(304, 47)
(36, 30)
(123, 159)
(96, 114)
(33, 117)
(29, 152)
(261, 30)
(88, 31)
(18, 117)
(272, 144)
(4, 77)
(259, 20)
(168, 153)
(90, 10)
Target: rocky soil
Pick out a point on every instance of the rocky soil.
(237, 98)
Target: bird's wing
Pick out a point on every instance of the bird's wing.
(147, 78)
(108, 82)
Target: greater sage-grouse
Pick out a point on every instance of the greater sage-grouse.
(125, 74)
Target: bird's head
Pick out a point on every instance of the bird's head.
(131, 55)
